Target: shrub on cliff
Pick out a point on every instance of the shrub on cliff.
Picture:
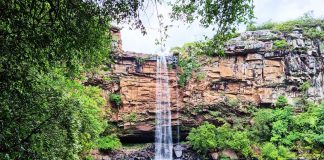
(188, 64)
(130, 118)
(232, 102)
(307, 22)
(281, 101)
(266, 25)
(115, 99)
(280, 45)
(109, 143)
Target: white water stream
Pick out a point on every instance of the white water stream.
(163, 130)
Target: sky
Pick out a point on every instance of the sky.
(180, 33)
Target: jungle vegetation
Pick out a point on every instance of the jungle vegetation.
(282, 132)
(46, 48)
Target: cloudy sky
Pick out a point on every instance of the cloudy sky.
(265, 10)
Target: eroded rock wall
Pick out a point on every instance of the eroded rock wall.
(137, 86)
(256, 78)
(253, 72)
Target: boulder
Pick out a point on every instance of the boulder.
(214, 155)
(229, 153)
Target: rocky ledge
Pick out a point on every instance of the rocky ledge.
(145, 153)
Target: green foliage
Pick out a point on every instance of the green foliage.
(314, 33)
(261, 130)
(287, 26)
(106, 79)
(285, 153)
(207, 137)
(304, 87)
(294, 131)
(223, 136)
(89, 157)
(109, 143)
(200, 76)
(215, 13)
(170, 66)
(141, 60)
(203, 138)
(280, 44)
(215, 114)
(270, 151)
(279, 130)
(188, 49)
(105, 68)
(46, 46)
(130, 118)
(309, 126)
(188, 64)
(240, 142)
(233, 102)
(62, 118)
(307, 22)
(115, 99)
(272, 125)
(279, 133)
(280, 126)
(71, 39)
(266, 25)
(304, 92)
(281, 101)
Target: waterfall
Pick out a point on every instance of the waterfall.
(163, 131)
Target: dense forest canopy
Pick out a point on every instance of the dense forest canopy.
(46, 47)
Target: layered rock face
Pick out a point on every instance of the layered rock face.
(137, 86)
(253, 72)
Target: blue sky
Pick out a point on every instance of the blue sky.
(274, 10)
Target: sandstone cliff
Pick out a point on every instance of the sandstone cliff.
(253, 73)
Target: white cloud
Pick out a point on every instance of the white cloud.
(275, 10)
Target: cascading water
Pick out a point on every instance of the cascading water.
(163, 130)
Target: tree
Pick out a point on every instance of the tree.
(45, 46)
(55, 118)
(224, 16)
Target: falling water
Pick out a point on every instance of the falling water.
(163, 132)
